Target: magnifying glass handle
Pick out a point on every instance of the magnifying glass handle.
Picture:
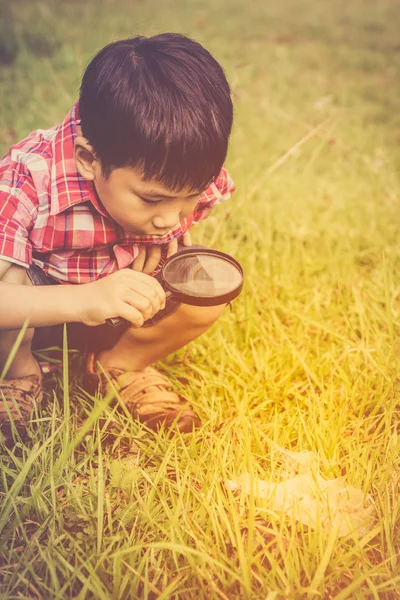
(119, 321)
(115, 321)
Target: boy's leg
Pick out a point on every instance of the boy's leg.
(23, 379)
(136, 349)
(24, 363)
(146, 393)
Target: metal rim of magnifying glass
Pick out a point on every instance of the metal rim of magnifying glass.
(192, 299)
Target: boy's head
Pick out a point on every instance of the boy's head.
(158, 109)
(160, 104)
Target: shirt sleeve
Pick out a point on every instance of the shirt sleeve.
(219, 191)
(17, 212)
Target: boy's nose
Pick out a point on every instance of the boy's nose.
(166, 221)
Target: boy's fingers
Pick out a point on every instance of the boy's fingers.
(132, 315)
(187, 239)
(147, 306)
(152, 259)
(139, 261)
(156, 295)
(172, 247)
(142, 279)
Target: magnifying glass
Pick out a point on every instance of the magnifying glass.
(199, 277)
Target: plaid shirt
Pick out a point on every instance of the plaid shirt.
(50, 215)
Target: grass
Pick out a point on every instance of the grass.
(307, 359)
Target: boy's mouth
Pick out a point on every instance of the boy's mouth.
(160, 235)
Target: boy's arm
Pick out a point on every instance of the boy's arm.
(125, 293)
(42, 305)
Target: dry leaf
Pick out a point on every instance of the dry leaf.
(311, 499)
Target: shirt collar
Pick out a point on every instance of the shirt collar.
(67, 186)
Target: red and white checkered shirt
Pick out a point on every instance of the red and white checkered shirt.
(50, 215)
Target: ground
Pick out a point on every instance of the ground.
(308, 358)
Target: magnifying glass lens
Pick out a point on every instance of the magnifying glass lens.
(202, 275)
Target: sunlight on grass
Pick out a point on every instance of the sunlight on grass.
(92, 505)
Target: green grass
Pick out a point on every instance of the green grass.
(308, 357)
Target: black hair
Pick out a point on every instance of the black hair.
(161, 104)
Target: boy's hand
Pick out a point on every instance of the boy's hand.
(133, 296)
(147, 260)
(149, 256)
(186, 240)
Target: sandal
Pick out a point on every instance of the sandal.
(20, 396)
(148, 396)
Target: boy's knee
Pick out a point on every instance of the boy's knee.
(17, 275)
(200, 317)
(187, 318)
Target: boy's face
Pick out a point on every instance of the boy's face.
(140, 207)
(143, 207)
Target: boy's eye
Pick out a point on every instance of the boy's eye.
(150, 201)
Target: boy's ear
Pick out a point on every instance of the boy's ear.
(86, 161)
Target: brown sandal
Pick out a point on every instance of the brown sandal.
(21, 396)
(149, 397)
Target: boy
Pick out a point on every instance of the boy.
(90, 210)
